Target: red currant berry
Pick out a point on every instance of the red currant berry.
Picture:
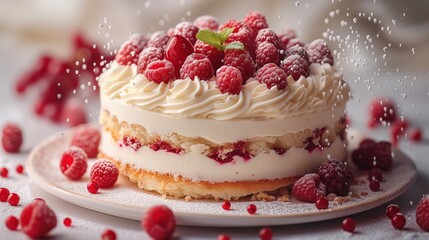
(266, 234)
(92, 187)
(108, 234)
(398, 221)
(19, 169)
(391, 210)
(223, 237)
(251, 209)
(322, 203)
(226, 205)
(13, 199)
(12, 223)
(4, 172)
(4, 194)
(67, 222)
(375, 173)
(349, 225)
(374, 185)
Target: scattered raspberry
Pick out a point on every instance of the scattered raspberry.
(73, 112)
(244, 35)
(375, 173)
(12, 223)
(129, 53)
(178, 49)
(147, 56)
(159, 40)
(286, 35)
(374, 185)
(226, 205)
(206, 22)
(370, 155)
(295, 66)
(349, 225)
(381, 110)
(223, 237)
(104, 173)
(293, 42)
(4, 194)
(92, 187)
(416, 135)
(267, 53)
(322, 203)
(296, 50)
(87, 138)
(398, 221)
(108, 234)
(11, 138)
(272, 75)
(214, 55)
(268, 35)
(266, 233)
(309, 188)
(397, 130)
(256, 21)
(187, 30)
(159, 222)
(318, 52)
(160, 71)
(132, 142)
(422, 213)
(391, 210)
(37, 219)
(73, 163)
(241, 60)
(13, 199)
(251, 209)
(4, 172)
(336, 177)
(67, 222)
(229, 80)
(197, 65)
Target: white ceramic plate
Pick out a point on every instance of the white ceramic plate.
(127, 201)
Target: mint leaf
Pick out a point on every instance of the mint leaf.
(210, 38)
(234, 45)
(224, 34)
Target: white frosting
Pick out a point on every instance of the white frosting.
(269, 166)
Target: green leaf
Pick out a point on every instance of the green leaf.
(224, 34)
(234, 45)
(210, 38)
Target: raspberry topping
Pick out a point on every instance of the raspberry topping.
(256, 21)
(87, 138)
(197, 65)
(293, 42)
(158, 40)
(129, 53)
(13, 199)
(309, 188)
(296, 50)
(267, 53)
(108, 234)
(243, 35)
(104, 173)
(382, 109)
(318, 52)
(286, 35)
(266, 233)
(4, 194)
(159, 222)
(11, 138)
(268, 35)
(163, 145)
(377, 155)
(214, 55)
(229, 80)
(178, 49)
(132, 142)
(336, 177)
(207, 22)
(12, 223)
(272, 75)
(295, 66)
(160, 71)
(422, 213)
(73, 163)
(147, 56)
(187, 30)
(37, 219)
(241, 60)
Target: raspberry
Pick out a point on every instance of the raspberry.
(128, 53)
(12, 223)
(318, 52)
(4, 194)
(251, 209)
(234, 24)
(140, 39)
(132, 142)
(197, 65)
(272, 75)
(87, 138)
(336, 177)
(266, 233)
(381, 109)
(377, 155)
(207, 22)
(108, 234)
(268, 35)
(244, 35)
(256, 21)
(214, 55)
(293, 42)
(295, 66)
(158, 40)
(416, 135)
(73, 112)
(286, 35)
(147, 56)
(422, 213)
(104, 173)
(11, 138)
(229, 80)
(73, 163)
(187, 30)
(267, 53)
(178, 49)
(309, 188)
(37, 219)
(159, 222)
(296, 50)
(241, 60)
(13, 199)
(160, 71)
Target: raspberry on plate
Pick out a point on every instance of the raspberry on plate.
(272, 75)
(229, 80)
(159, 222)
(422, 213)
(318, 52)
(73, 163)
(160, 71)
(104, 173)
(241, 60)
(147, 56)
(158, 39)
(267, 53)
(213, 54)
(309, 188)
(207, 22)
(37, 219)
(197, 65)
(187, 30)
(128, 53)
(11, 138)
(370, 155)
(87, 138)
(268, 35)
(295, 66)
(336, 177)
(256, 21)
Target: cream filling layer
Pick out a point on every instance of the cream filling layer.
(197, 167)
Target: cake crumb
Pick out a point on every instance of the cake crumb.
(342, 200)
(262, 196)
(284, 198)
(355, 195)
(331, 196)
(364, 193)
(188, 198)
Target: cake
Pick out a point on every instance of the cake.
(175, 121)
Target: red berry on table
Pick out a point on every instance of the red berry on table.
(398, 221)
(256, 21)
(226, 205)
(374, 185)
(267, 53)
(416, 135)
(422, 213)
(375, 173)
(12, 223)
(13, 199)
(19, 169)
(318, 52)
(295, 66)
(241, 60)
(108, 234)
(160, 71)
(391, 210)
(178, 49)
(206, 22)
(381, 110)
(272, 75)
(336, 177)
(296, 50)
(67, 222)
(266, 233)
(4, 172)
(87, 138)
(223, 237)
(4, 194)
(92, 187)
(104, 173)
(147, 56)
(197, 65)
(73, 112)
(251, 209)
(73, 163)
(129, 53)
(349, 225)
(229, 80)
(322, 203)
(11, 138)
(158, 40)
(269, 36)
(159, 222)
(187, 30)
(309, 188)
(37, 219)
